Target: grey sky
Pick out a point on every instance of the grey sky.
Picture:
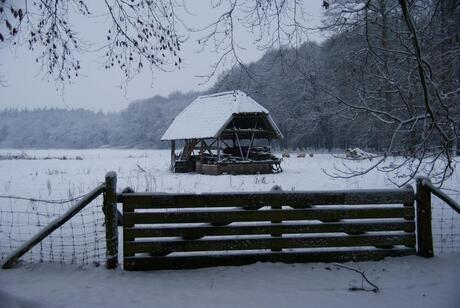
(99, 89)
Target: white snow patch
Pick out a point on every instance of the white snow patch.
(8, 300)
(403, 282)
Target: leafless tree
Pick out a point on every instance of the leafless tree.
(146, 32)
(139, 33)
(402, 88)
(274, 24)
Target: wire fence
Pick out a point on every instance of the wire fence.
(445, 226)
(81, 240)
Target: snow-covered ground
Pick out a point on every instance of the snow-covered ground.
(403, 282)
(409, 281)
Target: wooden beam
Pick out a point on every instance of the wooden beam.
(201, 150)
(208, 147)
(218, 149)
(223, 141)
(173, 154)
(268, 228)
(255, 243)
(239, 145)
(191, 216)
(182, 262)
(441, 195)
(212, 143)
(111, 219)
(423, 218)
(250, 145)
(246, 130)
(295, 199)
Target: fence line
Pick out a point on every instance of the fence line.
(56, 201)
(445, 218)
(446, 228)
(81, 240)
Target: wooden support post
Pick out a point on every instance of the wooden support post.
(250, 146)
(173, 154)
(110, 212)
(239, 145)
(276, 207)
(201, 150)
(127, 237)
(423, 218)
(410, 205)
(218, 149)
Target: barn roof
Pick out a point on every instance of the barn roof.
(208, 115)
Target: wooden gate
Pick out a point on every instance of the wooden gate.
(176, 231)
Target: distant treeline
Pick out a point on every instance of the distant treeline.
(138, 126)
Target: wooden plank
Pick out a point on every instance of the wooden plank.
(188, 262)
(268, 243)
(200, 231)
(266, 215)
(272, 198)
(441, 195)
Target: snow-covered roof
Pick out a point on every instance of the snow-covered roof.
(208, 115)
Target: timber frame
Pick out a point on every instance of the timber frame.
(223, 133)
(232, 151)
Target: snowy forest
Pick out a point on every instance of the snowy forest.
(358, 88)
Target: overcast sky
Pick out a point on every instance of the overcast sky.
(98, 88)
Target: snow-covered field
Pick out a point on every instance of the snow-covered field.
(410, 281)
(147, 170)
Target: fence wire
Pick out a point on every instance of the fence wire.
(81, 240)
(445, 225)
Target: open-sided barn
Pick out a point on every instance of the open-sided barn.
(226, 132)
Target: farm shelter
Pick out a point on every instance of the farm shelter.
(226, 132)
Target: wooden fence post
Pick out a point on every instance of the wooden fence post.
(423, 217)
(111, 219)
(276, 207)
